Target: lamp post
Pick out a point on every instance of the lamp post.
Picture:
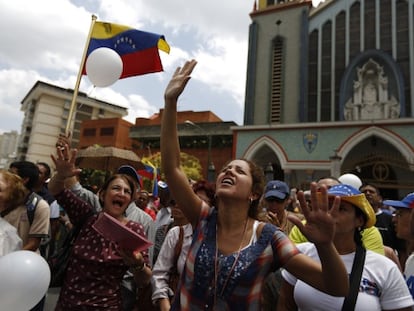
(211, 170)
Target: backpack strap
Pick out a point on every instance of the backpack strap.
(31, 204)
(355, 279)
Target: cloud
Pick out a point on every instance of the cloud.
(47, 39)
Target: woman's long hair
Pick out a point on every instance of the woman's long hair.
(258, 184)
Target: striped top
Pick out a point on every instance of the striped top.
(242, 289)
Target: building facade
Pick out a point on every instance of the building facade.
(202, 134)
(46, 109)
(8, 148)
(335, 93)
(110, 132)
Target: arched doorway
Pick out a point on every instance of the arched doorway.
(378, 162)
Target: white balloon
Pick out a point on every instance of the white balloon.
(351, 179)
(24, 280)
(104, 67)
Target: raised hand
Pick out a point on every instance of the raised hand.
(64, 139)
(65, 161)
(320, 225)
(179, 80)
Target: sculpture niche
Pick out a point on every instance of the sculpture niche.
(370, 99)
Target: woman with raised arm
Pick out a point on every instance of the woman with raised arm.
(376, 282)
(232, 252)
(97, 264)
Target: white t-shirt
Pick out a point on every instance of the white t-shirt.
(165, 261)
(54, 210)
(382, 285)
(409, 273)
(9, 239)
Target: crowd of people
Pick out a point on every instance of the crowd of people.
(237, 244)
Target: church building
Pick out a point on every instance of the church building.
(330, 90)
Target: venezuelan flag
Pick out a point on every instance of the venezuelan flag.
(138, 49)
(151, 172)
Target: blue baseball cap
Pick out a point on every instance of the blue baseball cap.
(130, 171)
(407, 202)
(355, 197)
(276, 188)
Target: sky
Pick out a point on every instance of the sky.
(45, 39)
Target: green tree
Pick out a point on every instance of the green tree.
(190, 164)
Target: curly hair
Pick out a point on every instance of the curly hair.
(258, 184)
(15, 191)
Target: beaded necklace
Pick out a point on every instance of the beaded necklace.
(216, 268)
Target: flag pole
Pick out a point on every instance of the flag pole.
(78, 79)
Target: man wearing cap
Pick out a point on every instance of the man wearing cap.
(275, 200)
(403, 226)
(384, 221)
(164, 216)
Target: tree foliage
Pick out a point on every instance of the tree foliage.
(190, 164)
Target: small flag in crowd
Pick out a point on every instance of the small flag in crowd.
(151, 172)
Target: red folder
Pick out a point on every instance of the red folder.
(113, 230)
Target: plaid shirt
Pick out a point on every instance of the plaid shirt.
(242, 290)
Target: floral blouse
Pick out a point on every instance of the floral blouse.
(95, 269)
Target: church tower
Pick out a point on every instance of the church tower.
(278, 29)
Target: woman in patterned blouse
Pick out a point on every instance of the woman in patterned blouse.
(97, 265)
(232, 252)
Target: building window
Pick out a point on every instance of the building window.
(276, 88)
(313, 77)
(85, 108)
(369, 21)
(107, 131)
(89, 132)
(101, 113)
(385, 28)
(355, 29)
(339, 58)
(403, 49)
(326, 80)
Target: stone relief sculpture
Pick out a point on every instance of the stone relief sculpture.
(370, 99)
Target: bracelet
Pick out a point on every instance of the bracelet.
(137, 268)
